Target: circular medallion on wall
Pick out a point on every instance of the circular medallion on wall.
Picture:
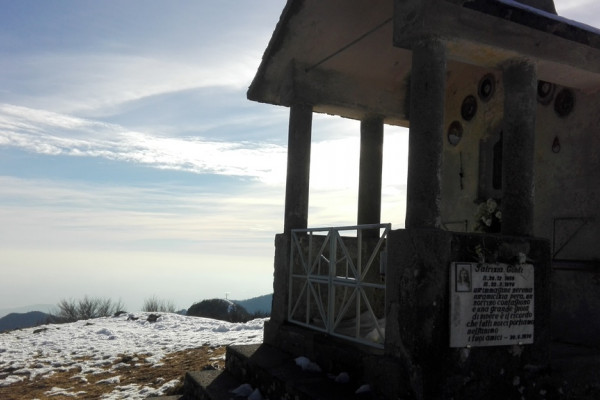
(545, 92)
(455, 132)
(468, 108)
(487, 87)
(564, 103)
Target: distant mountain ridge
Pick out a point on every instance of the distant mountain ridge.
(260, 304)
(25, 309)
(22, 320)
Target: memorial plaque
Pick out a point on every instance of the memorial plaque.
(491, 304)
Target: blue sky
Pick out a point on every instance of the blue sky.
(131, 163)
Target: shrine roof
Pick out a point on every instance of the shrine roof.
(352, 57)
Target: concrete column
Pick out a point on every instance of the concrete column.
(520, 83)
(298, 168)
(371, 161)
(427, 92)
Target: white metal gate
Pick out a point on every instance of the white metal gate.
(337, 282)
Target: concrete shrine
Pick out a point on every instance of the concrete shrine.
(500, 98)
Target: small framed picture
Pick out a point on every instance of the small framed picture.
(463, 277)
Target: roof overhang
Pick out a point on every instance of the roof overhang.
(352, 57)
(487, 33)
(337, 55)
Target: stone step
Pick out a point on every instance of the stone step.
(276, 375)
(575, 370)
(209, 385)
(271, 371)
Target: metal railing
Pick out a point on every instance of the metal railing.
(337, 282)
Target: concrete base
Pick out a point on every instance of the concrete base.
(418, 329)
(418, 362)
(574, 374)
(387, 375)
(209, 385)
(576, 303)
(275, 374)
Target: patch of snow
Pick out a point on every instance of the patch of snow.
(363, 389)
(221, 328)
(307, 365)
(255, 395)
(81, 378)
(169, 385)
(120, 365)
(94, 348)
(56, 391)
(244, 390)
(342, 377)
(105, 332)
(11, 379)
(113, 380)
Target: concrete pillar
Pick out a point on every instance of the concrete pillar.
(296, 211)
(298, 168)
(427, 92)
(371, 161)
(520, 83)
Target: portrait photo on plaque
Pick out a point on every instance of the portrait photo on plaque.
(463, 277)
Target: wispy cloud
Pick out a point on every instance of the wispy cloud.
(82, 83)
(334, 158)
(50, 133)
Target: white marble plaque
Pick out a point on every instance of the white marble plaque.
(491, 304)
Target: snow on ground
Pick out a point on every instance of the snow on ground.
(93, 344)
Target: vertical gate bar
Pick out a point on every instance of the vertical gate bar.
(331, 289)
(308, 272)
(308, 293)
(358, 280)
(359, 255)
(291, 269)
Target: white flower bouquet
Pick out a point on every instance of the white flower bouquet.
(488, 217)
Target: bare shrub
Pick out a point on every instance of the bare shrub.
(154, 304)
(86, 308)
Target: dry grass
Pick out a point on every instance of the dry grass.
(138, 372)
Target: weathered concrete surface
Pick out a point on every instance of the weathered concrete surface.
(370, 173)
(518, 150)
(428, 88)
(298, 167)
(576, 305)
(388, 377)
(488, 33)
(209, 385)
(275, 373)
(566, 177)
(279, 307)
(417, 330)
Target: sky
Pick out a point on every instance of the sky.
(132, 165)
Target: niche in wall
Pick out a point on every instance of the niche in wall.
(490, 166)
